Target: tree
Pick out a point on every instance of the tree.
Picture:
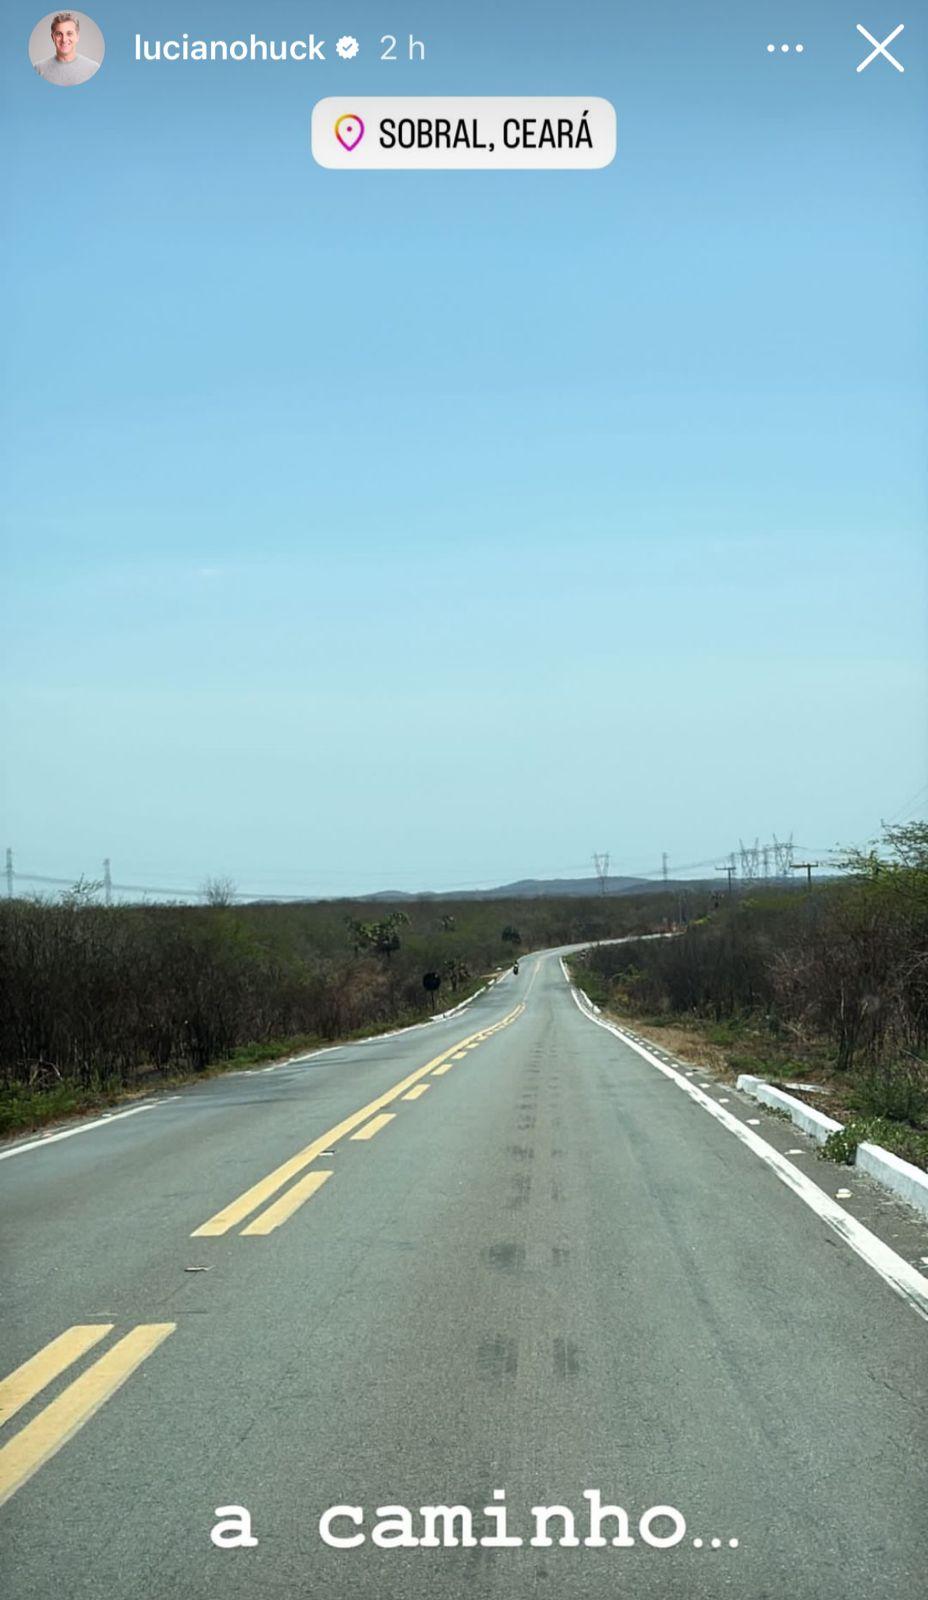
(511, 935)
(380, 938)
(219, 891)
(82, 893)
(455, 972)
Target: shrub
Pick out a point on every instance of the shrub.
(907, 1143)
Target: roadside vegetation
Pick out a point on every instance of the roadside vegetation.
(828, 988)
(103, 1001)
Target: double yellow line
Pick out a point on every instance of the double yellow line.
(35, 1444)
(40, 1439)
(408, 1088)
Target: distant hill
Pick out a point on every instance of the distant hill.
(538, 888)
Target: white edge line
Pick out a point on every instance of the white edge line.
(904, 1279)
(377, 1038)
(114, 1116)
(85, 1127)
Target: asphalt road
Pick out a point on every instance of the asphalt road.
(539, 1268)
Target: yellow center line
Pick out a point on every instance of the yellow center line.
(440, 1071)
(39, 1371)
(460, 1054)
(370, 1128)
(240, 1208)
(35, 1444)
(416, 1092)
(288, 1203)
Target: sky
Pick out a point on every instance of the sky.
(431, 529)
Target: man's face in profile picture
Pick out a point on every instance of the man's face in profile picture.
(65, 36)
(68, 66)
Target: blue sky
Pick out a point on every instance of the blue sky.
(438, 528)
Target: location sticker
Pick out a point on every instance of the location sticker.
(349, 131)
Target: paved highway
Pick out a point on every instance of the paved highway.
(500, 1260)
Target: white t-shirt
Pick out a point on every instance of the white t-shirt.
(67, 72)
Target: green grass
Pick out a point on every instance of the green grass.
(252, 1055)
(907, 1143)
(21, 1109)
(898, 1096)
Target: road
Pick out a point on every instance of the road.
(529, 1264)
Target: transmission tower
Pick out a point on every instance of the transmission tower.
(783, 856)
(9, 874)
(750, 859)
(601, 868)
(107, 883)
(664, 866)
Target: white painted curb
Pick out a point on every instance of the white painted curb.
(814, 1123)
(908, 1182)
(901, 1177)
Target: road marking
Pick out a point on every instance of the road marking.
(114, 1116)
(253, 1198)
(42, 1438)
(268, 1220)
(35, 1374)
(416, 1092)
(440, 1071)
(85, 1127)
(901, 1277)
(459, 1056)
(374, 1126)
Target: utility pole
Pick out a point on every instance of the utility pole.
(107, 883)
(9, 873)
(806, 867)
(664, 865)
(601, 868)
(730, 869)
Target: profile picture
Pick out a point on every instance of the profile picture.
(66, 48)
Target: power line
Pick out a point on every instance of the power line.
(914, 801)
(782, 853)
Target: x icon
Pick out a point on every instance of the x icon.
(880, 49)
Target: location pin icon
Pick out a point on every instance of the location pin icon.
(349, 131)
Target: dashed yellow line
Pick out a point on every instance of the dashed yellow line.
(259, 1193)
(416, 1092)
(42, 1438)
(374, 1126)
